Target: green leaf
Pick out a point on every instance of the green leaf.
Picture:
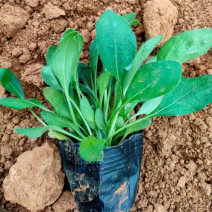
(83, 73)
(129, 17)
(153, 80)
(60, 136)
(86, 109)
(59, 121)
(49, 78)
(103, 82)
(116, 43)
(88, 91)
(32, 132)
(65, 59)
(18, 104)
(57, 100)
(135, 22)
(142, 54)
(190, 95)
(10, 82)
(56, 120)
(152, 59)
(94, 54)
(38, 131)
(119, 123)
(67, 32)
(149, 106)
(91, 149)
(141, 124)
(99, 119)
(49, 55)
(187, 45)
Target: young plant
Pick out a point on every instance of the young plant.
(96, 111)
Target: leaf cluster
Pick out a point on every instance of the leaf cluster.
(95, 109)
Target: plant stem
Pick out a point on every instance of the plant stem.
(72, 101)
(71, 109)
(34, 114)
(128, 125)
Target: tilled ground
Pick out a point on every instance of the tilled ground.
(177, 162)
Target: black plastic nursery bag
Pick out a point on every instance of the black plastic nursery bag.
(107, 186)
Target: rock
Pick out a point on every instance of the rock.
(206, 189)
(17, 52)
(181, 182)
(25, 57)
(86, 35)
(58, 25)
(32, 74)
(209, 71)
(12, 19)
(160, 208)
(192, 167)
(159, 19)
(6, 64)
(51, 11)
(36, 179)
(6, 151)
(32, 3)
(65, 203)
(33, 46)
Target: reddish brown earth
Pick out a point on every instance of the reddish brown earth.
(177, 162)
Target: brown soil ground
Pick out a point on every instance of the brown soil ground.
(177, 162)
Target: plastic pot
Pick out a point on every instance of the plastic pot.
(107, 186)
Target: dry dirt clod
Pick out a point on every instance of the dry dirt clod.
(159, 19)
(32, 3)
(12, 19)
(6, 151)
(51, 11)
(65, 202)
(32, 74)
(36, 180)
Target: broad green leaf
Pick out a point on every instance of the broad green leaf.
(49, 78)
(91, 149)
(116, 43)
(49, 55)
(141, 124)
(65, 59)
(153, 80)
(87, 90)
(187, 45)
(135, 22)
(94, 54)
(59, 121)
(60, 136)
(129, 17)
(56, 120)
(86, 109)
(57, 100)
(38, 131)
(142, 54)
(103, 82)
(99, 119)
(119, 123)
(67, 32)
(83, 73)
(18, 104)
(10, 82)
(148, 106)
(152, 59)
(32, 132)
(190, 95)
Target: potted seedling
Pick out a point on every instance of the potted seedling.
(100, 146)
